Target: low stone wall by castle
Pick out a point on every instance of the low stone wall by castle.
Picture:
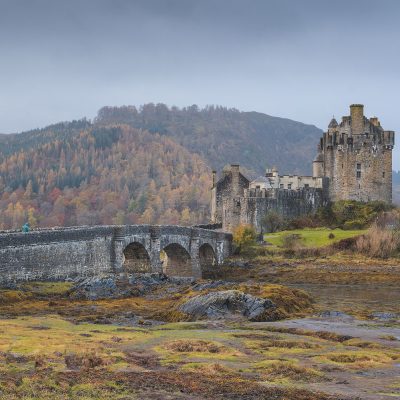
(287, 203)
(62, 253)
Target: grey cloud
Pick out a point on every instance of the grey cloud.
(304, 59)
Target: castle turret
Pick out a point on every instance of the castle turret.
(318, 164)
(214, 178)
(357, 119)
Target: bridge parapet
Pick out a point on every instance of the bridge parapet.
(60, 253)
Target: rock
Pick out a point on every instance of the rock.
(384, 316)
(335, 314)
(240, 264)
(209, 285)
(222, 304)
(112, 286)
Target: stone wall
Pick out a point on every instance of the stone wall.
(54, 254)
(58, 254)
(231, 186)
(287, 203)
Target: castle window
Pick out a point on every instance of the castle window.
(358, 170)
(289, 186)
(281, 185)
(383, 174)
(306, 185)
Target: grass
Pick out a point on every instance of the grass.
(48, 357)
(359, 359)
(313, 237)
(287, 371)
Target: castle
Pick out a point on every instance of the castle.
(354, 162)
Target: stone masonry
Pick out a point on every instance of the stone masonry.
(354, 162)
(356, 156)
(58, 254)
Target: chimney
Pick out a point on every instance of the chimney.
(235, 179)
(357, 119)
(374, 121)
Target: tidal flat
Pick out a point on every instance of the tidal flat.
(331, 339)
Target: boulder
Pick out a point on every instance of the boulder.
(198, 287)
(112, 286)
(335, 315)
(222, 304)
(384, 316)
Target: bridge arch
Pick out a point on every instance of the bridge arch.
(207, 260)
(176, 260)
(135, 258)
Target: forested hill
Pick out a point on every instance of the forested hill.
(101, 175)
(222, 136)
(147, 165)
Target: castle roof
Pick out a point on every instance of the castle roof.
(319, 158)
(333, 123)
(261, 179)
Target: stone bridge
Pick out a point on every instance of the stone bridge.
(63, 253)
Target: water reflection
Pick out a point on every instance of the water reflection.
(354, 297)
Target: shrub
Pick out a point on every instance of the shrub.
(379, 242)
(350, 214)
(291, 241)
(272, 221)
(305, 221)
(331, 236)
(244, 237)
(355, 224)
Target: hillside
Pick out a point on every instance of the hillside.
(100, 175)
(223, 136)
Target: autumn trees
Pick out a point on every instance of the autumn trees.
(103, 175)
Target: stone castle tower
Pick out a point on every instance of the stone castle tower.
(356, 157)
(354, 162)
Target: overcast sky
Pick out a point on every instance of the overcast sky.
(305, 60)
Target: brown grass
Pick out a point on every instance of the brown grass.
(330, 336)
(289, 370)
(379, 242)
(286, 344)
(84, 361)
(196, 346)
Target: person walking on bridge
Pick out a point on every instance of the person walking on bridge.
(26, 227)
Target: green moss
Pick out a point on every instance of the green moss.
(47, 288)
(313, 237)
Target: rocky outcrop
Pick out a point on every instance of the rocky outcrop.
(111, 286)
(222, 304)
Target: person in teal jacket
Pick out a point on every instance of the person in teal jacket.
(26, 228)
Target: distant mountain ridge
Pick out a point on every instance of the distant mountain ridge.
(222, 136)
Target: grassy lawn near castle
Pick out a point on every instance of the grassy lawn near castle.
(313, 237)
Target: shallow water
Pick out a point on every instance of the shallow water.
(373, 298)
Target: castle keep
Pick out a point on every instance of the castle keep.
(356, 157)
(354, 162)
